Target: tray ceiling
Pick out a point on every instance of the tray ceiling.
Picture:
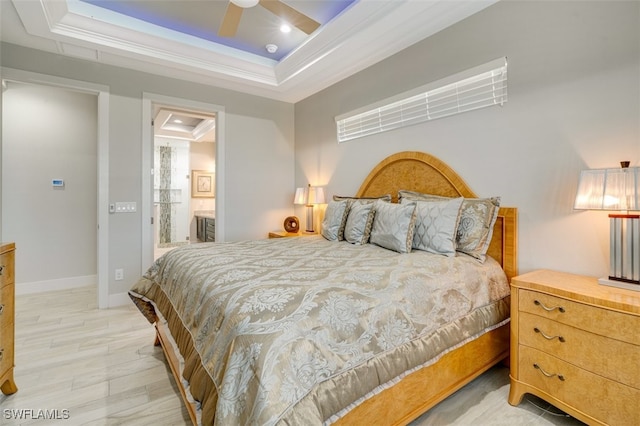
(180, 38)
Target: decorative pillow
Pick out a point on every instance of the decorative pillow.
(477, 217)
(386, 197)
(436, 224)
(418, 196)
(335, 218)
(351, 201)
(475, 226)
(393, 225)
(358, 226)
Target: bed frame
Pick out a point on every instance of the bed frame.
(424, 388)
(420, 172)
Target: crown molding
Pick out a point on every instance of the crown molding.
(368, 32)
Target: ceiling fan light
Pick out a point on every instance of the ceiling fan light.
(245, 3)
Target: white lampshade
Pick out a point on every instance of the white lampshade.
(316, 195)
(309, 195)
(609, 189)
(301, 196)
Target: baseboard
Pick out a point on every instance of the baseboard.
(119, 299)
(57, 284)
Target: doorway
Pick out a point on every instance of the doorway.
(184, 151)
(202, 130)
(96, 271)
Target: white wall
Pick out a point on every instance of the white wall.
(574, 103)
(259, 148)
(50, 133)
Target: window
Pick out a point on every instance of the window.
(479, 87)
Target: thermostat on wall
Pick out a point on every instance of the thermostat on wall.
(57, 182)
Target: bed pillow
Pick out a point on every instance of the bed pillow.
(335, 218)
(353, 200)
(393, 226)
(386, 197)
(475, 226)
(475, 229)
(436, 225)
(403, 194)
(358, 226)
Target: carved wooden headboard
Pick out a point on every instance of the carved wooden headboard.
(417, 171)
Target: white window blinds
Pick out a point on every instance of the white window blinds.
(479, 87)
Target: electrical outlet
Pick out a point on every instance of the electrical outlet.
(119, 274)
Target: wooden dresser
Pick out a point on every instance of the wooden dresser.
(576, 344)
(7, 320)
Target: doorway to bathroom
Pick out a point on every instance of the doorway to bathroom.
(183, 177)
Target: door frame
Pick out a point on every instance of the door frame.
(148, 102)
(102, 93)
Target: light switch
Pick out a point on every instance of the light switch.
(126, 207)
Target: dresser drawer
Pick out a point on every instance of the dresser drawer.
(6, 268)
(594, 395)
(605, 322)
(6, 306)
(589, 351)
(6, 348)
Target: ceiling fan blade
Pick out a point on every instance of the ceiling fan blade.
(292, 16)
(230, 21)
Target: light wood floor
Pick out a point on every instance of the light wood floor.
(102, 367)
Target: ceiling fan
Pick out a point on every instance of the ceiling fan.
(235, 8)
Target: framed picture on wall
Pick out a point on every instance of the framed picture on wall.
(202, 184)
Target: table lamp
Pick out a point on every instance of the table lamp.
(616, 190)
(309, 196)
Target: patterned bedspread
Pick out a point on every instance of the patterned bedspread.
(297, 329)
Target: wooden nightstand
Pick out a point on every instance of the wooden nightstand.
(576, 344)
(285, 234)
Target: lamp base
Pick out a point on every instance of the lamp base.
(309, 229)
(620, 284)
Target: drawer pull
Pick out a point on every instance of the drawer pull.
(546, 336)
(542, 305)
(1, 269)
(560, 376)
(1, 309)
(1, 354)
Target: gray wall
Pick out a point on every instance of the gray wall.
(50, 133)
(259, 149)
(574, 103)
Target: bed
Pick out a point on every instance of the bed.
(310, 331)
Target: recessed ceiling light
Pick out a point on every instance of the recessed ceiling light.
(285, 28)
(177, 120)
